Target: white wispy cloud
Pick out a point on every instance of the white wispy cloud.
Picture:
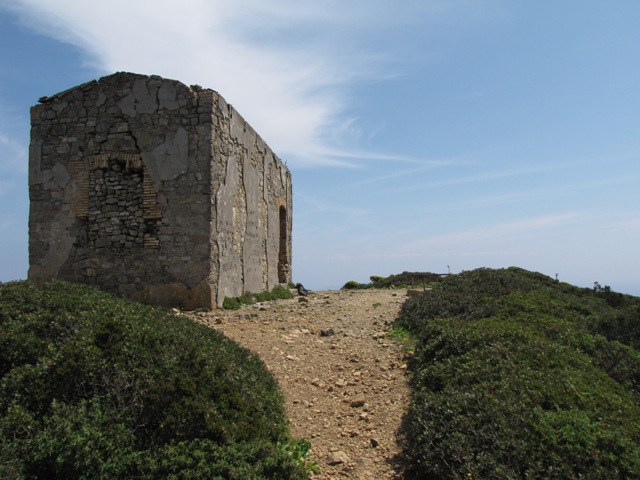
(276, 62)
(285, 65)
(480, 177)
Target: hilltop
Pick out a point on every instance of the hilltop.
(484, 374)
(514, 375)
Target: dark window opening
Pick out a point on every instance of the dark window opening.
(283, 254)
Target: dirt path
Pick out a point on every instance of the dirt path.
(344, 379)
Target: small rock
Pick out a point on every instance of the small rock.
(374, 443)
(357, 403)
(327, 333)
(338, 458)
(291, 358)
(303, 300)
(364, 461)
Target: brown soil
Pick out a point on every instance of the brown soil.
(344, 379)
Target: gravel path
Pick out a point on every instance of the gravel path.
(345, 381)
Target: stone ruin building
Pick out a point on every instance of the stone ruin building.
(156, 191)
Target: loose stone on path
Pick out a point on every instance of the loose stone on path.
(344, 380)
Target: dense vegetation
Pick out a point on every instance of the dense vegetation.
(519, 376)
(94, 387)
(400, 280)
(279, 292)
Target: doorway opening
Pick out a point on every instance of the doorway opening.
(283, 254)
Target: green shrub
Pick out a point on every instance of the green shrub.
(351, 285)
(401, 280)
(512, 379)
(279, 292)
(409, 280)
(231, 303)
(404, 337)
(92, 386)
(247, 299)
(621, 324)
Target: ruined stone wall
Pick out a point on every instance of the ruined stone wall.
(252, 187)
(144, 187)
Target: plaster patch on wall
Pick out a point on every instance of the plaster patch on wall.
(170, 159)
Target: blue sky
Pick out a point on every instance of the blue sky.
(421, 135)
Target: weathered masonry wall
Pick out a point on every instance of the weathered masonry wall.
(156, 191)
(252, 189)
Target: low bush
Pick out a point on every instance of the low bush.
(512, 379)
(409, 280)
(401, 280)
(92, 386)
(352, 285)
(279, 292)
(230, 303)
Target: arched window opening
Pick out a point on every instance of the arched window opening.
(283, 254)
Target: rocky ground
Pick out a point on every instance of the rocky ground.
(344, 378)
